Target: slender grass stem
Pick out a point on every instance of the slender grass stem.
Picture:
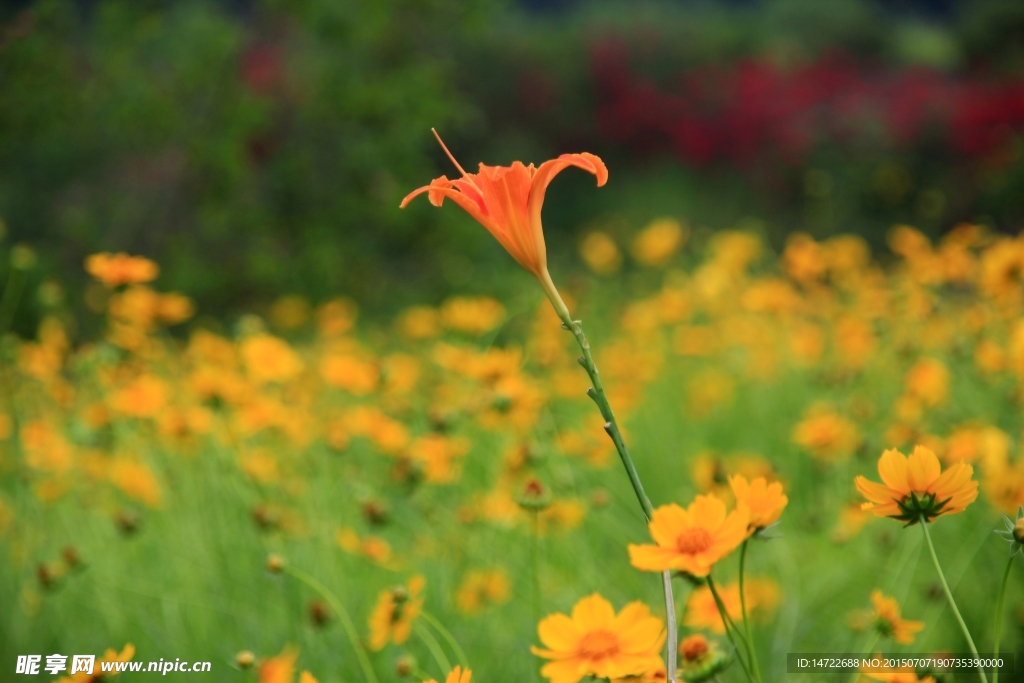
(449, 638)
(729, 627)
(535, 565)
(435, 648)
(672, 655)
(343, 616)
(999, 615)
(949, 597)
(746, 620)
(856, 675)
(611, 426)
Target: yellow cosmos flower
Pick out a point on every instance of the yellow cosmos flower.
(763, 596)
(114, 270)
(903, 675)
(269, 359)
(885, 618)
(98, 674)
(692, 539)
(597, 642)
(826, 434)
(457, 675)
(659, 241)
(396, 609)
(481, 588)
(916, 486)
(279, 669)
(764, 501)
(599, 251)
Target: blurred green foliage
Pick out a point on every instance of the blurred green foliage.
(248, 154)
(260, 148)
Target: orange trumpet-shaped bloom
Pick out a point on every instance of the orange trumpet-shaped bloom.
(916, 487)
(507, 201)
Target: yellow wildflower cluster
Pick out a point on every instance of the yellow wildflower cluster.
(433, 425)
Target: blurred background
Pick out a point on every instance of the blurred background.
(254, 148)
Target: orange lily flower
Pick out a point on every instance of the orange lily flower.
(507, 201)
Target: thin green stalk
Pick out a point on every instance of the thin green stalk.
(746, 620)
(597, 393)
(672, 653)
(999, 615)
(729, 627)
(343, 616)
(535, 565)
(855, 676)
(952, 602)
(611, 426)
(447, 635)
(435, 648)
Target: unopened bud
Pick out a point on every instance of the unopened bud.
(405, 666)
(702, 660)
(318, 613)
(264, 517)
(534, 496)
(71, 558)
(45, 575)
(399, 594)
(375, 511)
(127, 521)
(693, 647)
(1018, 530)
(245, 659)
(275, 563)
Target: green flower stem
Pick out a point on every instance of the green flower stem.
(672, 654)
(343, 616)
(855, 676)
(535, 565)
(999, 615)
(449, 638)
(746, 621)
(729, 627)
(597, 393)
(435, 648)
(611, 426)
(949, 596)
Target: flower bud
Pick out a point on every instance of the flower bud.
(405, 666)
(375, 511)
(693, 647)
(701, 659)
(245, 659)
(275, 563)
(319, 613)
(1018, 530)
(534, 496)
(71, 557)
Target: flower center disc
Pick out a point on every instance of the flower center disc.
(598, 644)
(694, 540)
